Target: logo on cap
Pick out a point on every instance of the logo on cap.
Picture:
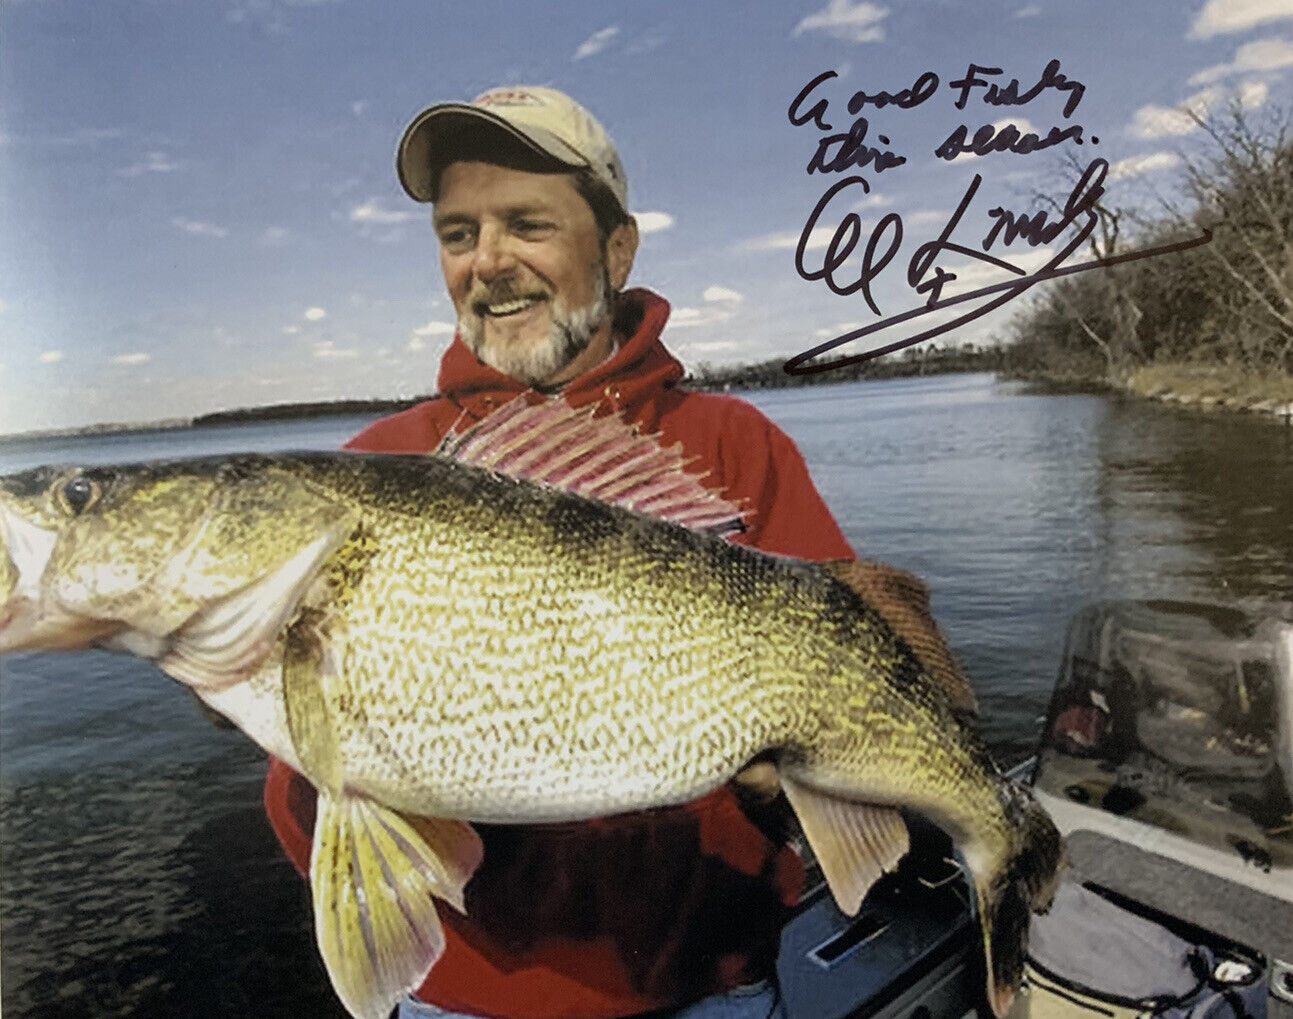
(509, 97)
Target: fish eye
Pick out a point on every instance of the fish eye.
(78, 494)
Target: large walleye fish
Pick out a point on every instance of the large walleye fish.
(538, 624)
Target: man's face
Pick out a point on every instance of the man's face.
(525, 269)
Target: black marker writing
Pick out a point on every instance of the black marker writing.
(850, 266)
(1008, 139)
(995, 95)
(1010, 289)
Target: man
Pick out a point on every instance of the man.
(668, 910)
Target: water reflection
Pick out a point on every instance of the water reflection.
(131, 892)
(1203, 502)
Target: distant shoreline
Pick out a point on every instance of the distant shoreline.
(271, 412)
(765, 375)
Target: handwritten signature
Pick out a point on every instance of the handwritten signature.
(841, 151)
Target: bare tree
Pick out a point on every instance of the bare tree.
(1243, 191)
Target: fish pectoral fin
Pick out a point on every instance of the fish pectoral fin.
(372, 877)
(855, 843)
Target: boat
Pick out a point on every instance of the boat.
(1166, 759)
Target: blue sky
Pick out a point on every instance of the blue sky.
(198, 206)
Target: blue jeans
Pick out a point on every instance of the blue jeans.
(756, 1001)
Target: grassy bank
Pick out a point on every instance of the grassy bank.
(1198, 387)
(1214, 387)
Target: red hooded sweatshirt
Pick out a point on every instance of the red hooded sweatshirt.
(615, 916)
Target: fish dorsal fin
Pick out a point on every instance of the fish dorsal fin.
(603, 458)
(903, 600)
(855, 843)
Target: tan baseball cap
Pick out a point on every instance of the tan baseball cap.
(544, 120)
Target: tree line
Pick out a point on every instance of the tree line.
(925, 359)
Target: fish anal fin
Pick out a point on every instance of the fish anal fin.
(603, 458)
(854, 843)
(372, 876)
(903, 600)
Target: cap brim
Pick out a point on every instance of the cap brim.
(429, 144)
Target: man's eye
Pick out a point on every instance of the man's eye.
(532, 227)
(456, 239)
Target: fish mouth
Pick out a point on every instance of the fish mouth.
(29, 625)
(28, 620)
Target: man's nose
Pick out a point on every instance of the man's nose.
(493, 255)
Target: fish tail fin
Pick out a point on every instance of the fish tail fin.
(372, 876)
(1008, 894)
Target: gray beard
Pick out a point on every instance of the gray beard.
(568, 337)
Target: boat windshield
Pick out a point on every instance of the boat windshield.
(1179, 716)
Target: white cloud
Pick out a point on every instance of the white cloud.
(83, 136)
(197, 228)
(848, 20)
(596, 42)
(1031, 11)
(1136, 165)
(1219, 17)
(1, 306)
(291, 330)
(710, 347)
(974, 274)
(713, 314)
(432, 328)
(645, 42)
(789, 240)
(716, 294)
(1252, 94)
(131, 359)
(359, 108)
(1150, 122)
(315, 314)
(1261, 55)
(273, 236)
(153, 162)
(373, 212)
(1021, 124)
(51, 357)
(923, 217)
(839, 329)
(653, 222)
(869, 202)
(268, 15)
(329, 351)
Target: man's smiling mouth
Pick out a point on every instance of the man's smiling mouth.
(502, 309)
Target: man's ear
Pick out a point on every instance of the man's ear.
(621, 249)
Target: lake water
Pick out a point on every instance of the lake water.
(139, 877)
